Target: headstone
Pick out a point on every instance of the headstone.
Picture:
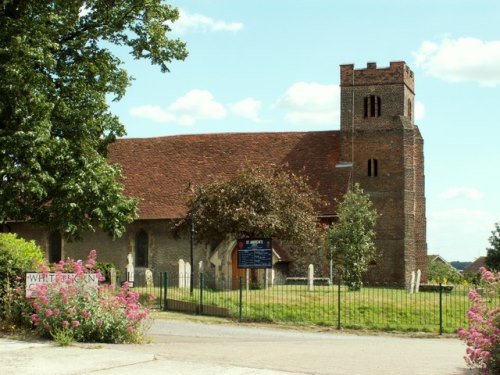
(182, 274)
(310, 278)
(149, 278)
(112, 276)
(417, 283)
(200, 266)
(130, 269)
(187, 276)
(412, 282)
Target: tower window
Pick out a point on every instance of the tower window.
(372, 106)
(141, 248)
(55, 247)
(372, 168)
(409, 109)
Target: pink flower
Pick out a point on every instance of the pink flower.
(65, 324)
(48, 312)
(75, 323)
(56, 312)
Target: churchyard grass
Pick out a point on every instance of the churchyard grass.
(377, 308)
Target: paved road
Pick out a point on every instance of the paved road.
(181, 347)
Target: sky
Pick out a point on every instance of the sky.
(273, 65)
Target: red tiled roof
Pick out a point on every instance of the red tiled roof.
(159, 171)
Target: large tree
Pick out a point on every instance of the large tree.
(352, 245)
(56, 74)
(257, 202)
(493, 254)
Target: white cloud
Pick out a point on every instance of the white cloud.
(462, 192)
(247, 108)
(419, 110)
(460, 60)
(153, 113)
(188, 109)
(201, 23)
(311, 103)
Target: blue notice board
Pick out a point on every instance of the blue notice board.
(255, 253)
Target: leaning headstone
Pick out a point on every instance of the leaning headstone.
(412, 282)
(310, 278)
(112, 276)
(417, 283)
(149, 278)
(182, 274)
(130, 269)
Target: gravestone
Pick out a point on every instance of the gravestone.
(112, 276)
(412, 282)
(149, 278)
(187, 275)
(417, 283)
(130, 269)
(182, 274)
(310, 278)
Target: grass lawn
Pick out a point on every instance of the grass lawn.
(370, 308)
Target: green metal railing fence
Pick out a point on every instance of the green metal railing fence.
(384, 307)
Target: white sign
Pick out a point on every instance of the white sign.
(33, 279)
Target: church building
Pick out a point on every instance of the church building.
(378, 146)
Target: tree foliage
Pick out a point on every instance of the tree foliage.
(352, 245)
(493, 252)
(257, 202)
(439, 272)
(56, 73)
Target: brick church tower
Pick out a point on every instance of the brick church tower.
(385, 148)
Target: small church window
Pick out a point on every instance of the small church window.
(55, 247)
(141, 248)
(372, 106)
(409, 109)
(372, 168)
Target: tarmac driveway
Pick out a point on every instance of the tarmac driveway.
(180, 347)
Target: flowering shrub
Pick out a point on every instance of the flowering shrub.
(483, 335)
(72, 309)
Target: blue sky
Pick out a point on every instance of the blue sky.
(273, 65)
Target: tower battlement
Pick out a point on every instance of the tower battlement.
(398, 72)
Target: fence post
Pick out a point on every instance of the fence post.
(241, 297)
(440, 308)
(338, 303)
(201, 293)
(165, 287)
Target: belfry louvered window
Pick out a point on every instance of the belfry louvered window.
(372, 106)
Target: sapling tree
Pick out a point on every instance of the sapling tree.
(352, 245)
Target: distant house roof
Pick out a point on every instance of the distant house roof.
(159, 171)
(476, 265)
(436, 258)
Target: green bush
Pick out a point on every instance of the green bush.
(439, 272)
(105, 269)
(17, 256)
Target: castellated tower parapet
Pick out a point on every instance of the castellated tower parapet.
(398, 72)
